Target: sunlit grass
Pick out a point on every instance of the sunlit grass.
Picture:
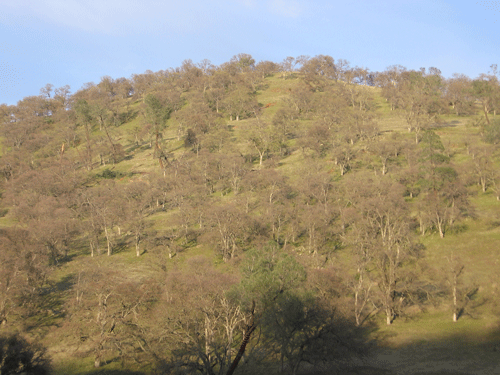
(476, 248)
(7, 221)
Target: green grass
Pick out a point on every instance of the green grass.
(476, 247)
(7, 221)
(438, 326)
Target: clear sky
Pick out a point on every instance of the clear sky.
(71, 42)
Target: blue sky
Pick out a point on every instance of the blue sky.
(71, 42)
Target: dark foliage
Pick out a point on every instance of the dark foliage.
(17, 356)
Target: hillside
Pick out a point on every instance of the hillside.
(149, 224)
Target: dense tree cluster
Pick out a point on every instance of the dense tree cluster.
(308, 252)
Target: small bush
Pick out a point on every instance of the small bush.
(109, 174)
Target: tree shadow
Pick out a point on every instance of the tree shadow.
(120, 246)
(50, 308)
(494, 224)
(80, 247)
(471, 297)
(262, 87)
(447, 124)
(115, 372)
(457, 353)
(458, 228)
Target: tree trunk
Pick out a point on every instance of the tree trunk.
(248, 332)
(356, 309)
(295, 369)
(440, 227)
(388, 299)
(113, 148)
(207, 339)
(483, 184)
(485, 109)
(89, 148)
(455, 315)
(108, 240)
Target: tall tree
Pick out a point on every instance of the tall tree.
(384, 216)
(485, 89)
(228, 227)
(318, 71)
(445, 195)
(106, 312)
(204, 327)
(296, 325)
(458, 94)
(138, 200)
(156, 114)
(84, 117)
(103, 210)
(420, 100)
(240, 103)
(261, 139)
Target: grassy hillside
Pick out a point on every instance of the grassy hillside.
(422, 339)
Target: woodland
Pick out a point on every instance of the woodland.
(250, 218)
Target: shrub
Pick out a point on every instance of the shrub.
(190, 139)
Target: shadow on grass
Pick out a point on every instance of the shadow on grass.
(136, 147)
(115, 372)
(458, 228)
(457, 353)
(131, 149)
(494, 224)
(50, 310)
(80, 247)
(121, 247)
(447, 124)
